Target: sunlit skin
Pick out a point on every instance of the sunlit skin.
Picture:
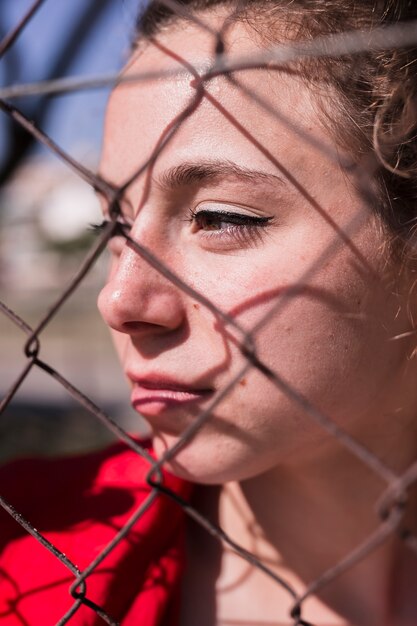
(254, 212)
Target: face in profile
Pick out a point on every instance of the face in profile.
(253, 205)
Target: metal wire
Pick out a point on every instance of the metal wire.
(391, 506)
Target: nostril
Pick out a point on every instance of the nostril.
(137, 327)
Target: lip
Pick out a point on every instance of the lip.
(152, 395)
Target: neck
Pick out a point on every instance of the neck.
(301, 521)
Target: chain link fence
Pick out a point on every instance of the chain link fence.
(391, 506)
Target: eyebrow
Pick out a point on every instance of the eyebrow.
(190, 173)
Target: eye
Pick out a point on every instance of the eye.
(228, 222)
(117, 241)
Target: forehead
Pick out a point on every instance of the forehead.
(260, 115)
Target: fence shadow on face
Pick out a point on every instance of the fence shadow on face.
(86, 505)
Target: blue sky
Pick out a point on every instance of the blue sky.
(75, 120)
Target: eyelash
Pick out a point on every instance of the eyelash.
(98, 228)
(243, 228)
(116, 241)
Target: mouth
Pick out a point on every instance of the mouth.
(153, 396)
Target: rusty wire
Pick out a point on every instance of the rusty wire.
(391, 505)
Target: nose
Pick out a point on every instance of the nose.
(137, 299)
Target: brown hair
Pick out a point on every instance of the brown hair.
(376, 112)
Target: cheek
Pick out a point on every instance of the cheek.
(335, 353)
(318, 337)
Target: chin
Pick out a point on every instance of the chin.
(206, 462)
(189, 464)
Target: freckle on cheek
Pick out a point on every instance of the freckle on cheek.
(242, 382)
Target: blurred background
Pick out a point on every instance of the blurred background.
(45, 213)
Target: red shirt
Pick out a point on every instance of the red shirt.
(79, 503)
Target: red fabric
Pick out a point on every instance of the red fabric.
(79, 504)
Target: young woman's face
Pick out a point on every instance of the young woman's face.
(248, 204)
